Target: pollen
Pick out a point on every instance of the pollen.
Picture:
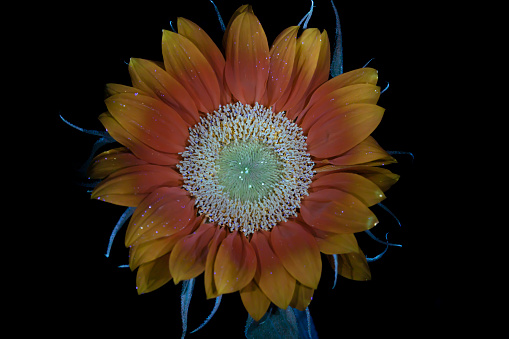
(247, 167)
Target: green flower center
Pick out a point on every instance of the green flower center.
(248, 170)
(246, 167)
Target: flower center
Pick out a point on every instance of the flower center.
(246, 167)
(248, 170)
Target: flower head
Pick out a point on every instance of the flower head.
(244, 166)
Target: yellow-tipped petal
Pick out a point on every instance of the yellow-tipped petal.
(368, 152)
(273, 279)
(254, 300)
(311, 69)
(354, 266)
(354, 94)
(235, 264)
(241, 9)
(154, 80)
(153, 275)
(155, 243)
(184, 61)
(209, 49)
(149, 120)
(342, 129)
(354, 184)
(282, 57)
(112, 160)
(335, 211)
(358, 76)
(335, 243)
(210, 285)
(298, 252)
(247, 59)
(189, 255)
(302, 296)
(129, 186)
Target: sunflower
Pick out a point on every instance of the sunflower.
(244, 166)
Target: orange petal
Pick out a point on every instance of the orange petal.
(150, 250)
(112, 160)
(254, 300)
(153, 275)
(184, 61)
(247, 59)
(273, 279)
(311, 69)
(335, 243)
(129, 186)
(354, 266)
(343, 128)
(167, 209)
(282, 57)
(210, 285)
(298, 251)
(188, 258)
(209, 49)
(354, 184)
(368, 151)
(150, 120)
(154, 80)
(112, 89)
(235, 264)
(382, 177)
(354, 94)
(241, 9)
(335, 211)
(358, 76)
(302, 296)
(138, 148)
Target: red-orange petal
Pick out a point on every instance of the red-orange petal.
(113, 89)
(354, 94)
(189, 255)
(235, 263)
(358, 186)
(154, 80)
(335, 243)
(150, 120)
(335, 211)
(273, 279)
(254, 300)
(298, 252)
(247, 59)
(382, 177)
(153, 275)
(210, 285)
(367, 152)
(209, 49)
(354, 266)
(147, 251)
(184, 61)
(282, 57)
(358, 76)
(311, 69)
(302, 296)
(135, 145)
(241, 9)
(343, 128)
(112, 160)
(129, 186)
(169, 209)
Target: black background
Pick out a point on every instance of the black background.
(411, 292)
